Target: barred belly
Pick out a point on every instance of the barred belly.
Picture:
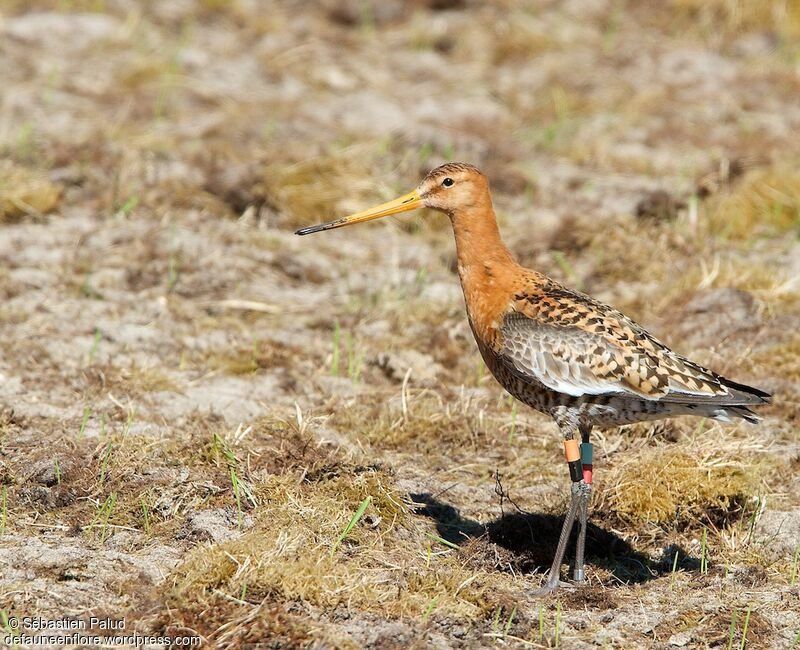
(591, 410)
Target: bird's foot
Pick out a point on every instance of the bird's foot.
(549, 588)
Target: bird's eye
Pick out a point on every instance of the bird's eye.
(448, 182)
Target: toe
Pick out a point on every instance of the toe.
(549, 588)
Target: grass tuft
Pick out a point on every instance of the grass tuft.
(765, 201)
(736, 17)
(670, 486)
(287, 553)
(25, 193)
(308, 191)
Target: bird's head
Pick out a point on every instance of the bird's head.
(453, 187)
(450, 188)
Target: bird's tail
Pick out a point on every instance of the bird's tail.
(728, 413)
(744, 394)
(737, 404)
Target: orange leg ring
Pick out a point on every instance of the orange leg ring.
(571, 450)
(573, 455)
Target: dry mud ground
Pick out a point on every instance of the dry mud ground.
(194, 402)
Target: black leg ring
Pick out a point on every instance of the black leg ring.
(575, 470)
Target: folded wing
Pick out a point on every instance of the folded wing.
(578, 346)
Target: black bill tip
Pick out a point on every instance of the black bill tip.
(318, 228)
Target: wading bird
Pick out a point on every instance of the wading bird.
(557, 350)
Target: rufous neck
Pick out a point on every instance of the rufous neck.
(478, 242)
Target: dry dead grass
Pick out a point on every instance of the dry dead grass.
(210, 109)
(389, 564)
(735, 16)
(718, 629)
(134, 380)
(782, 357)
(261, 355)
(670, 486)
(516, 41)
(424, 418)
(770, 283)
(25, 193)
(764, 201)
(307, 191)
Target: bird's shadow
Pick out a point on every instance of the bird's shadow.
(530, 541)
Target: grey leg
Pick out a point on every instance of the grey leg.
(579, 574)
(578, 507)
(553, 577)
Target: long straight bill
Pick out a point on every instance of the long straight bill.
(410, 201)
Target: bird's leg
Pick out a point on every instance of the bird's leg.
(578, 574)
(577, 507)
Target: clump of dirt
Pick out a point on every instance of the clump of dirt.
(659, 205)
(589, 597)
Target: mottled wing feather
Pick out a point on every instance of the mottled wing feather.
(578, 346)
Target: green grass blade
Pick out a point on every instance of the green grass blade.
(674, 568)
(353, 521)
(732, 630)
(86, 412)
(3, 510)
(441, 540)
(744, 629)
(510, 621)
(541, 623)
(429, 608)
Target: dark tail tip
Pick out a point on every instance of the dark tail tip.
(744, 413)
(762, 397)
